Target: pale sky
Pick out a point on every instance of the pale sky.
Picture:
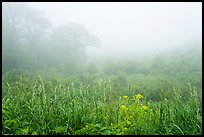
(129, 28)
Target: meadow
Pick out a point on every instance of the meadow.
(151, 101)
(101, 69)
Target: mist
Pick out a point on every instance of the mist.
(63, 33)
(101, 68)
(132, 29)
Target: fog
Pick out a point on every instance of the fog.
(101, 68)
(98, 68)
(43, 33)
(131, 29)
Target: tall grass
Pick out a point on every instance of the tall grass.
(42, 107)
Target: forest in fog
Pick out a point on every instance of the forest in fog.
(88, 68)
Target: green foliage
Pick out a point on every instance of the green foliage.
(67, 106)
(49, 89)
(93, 129)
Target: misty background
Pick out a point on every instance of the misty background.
(131, 29)
(107, 68)
(72, 35)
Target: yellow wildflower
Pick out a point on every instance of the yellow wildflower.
(125, 97)
(138, 96)
(144, 107)
(123, 107)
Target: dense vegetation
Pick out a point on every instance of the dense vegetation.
(149, 101)
(45, 91)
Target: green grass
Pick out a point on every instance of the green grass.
(71, 106)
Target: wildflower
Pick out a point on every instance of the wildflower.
(123, 107)
(138, 96)
(125, 97)
(144, 107)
